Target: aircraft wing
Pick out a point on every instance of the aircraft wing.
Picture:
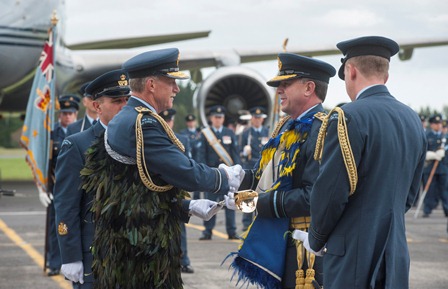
(137, 41)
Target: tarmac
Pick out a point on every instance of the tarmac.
(22, 224)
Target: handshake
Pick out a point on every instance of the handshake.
(206, 209)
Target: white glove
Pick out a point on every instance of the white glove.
(44, 198)
(73, 271)
(204, 209)
(230, 201)
(235, 175)
(440, 153)
(247, 150)
(430, 155)
(303, 237)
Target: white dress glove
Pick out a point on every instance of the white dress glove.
(247, 150)
(235, 175)
(440, 153)
(303, 237)
(204, 209)
(430, 155)
(44, 198)
(73, 271)
(230, 201)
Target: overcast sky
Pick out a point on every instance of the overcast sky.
(253, 24)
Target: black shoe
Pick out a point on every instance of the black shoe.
(205, 237)
(233, 237)
(53, 272)
(187, 269)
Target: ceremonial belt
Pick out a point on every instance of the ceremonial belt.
(217, 146)
(303, 281)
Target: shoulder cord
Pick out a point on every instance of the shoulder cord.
(140, 151)
(279, 125)
(344, 143)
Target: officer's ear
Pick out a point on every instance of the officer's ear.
(150, 83)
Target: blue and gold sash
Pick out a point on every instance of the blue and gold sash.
(261, 258)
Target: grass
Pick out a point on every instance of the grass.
(13, 166)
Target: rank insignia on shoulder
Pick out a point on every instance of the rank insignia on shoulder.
(62, 229)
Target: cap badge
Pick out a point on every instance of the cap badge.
(219, 109)
(67, 103)
(62, 229)
(177, 61)
(258, 111)
(279, 63)
(123, 81)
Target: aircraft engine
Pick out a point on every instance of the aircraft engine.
(236, 88)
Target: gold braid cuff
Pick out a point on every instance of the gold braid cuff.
(140, 148)
(344, 142)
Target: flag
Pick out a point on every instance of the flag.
(39, 116)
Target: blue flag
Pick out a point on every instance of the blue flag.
(39, 116)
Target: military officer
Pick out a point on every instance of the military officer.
(139, 182)
(284, 177)
(109, 93)
(252, 140)
(69, 105)
(359, 200)
(436, 152)
(218, 145)
(90, 113)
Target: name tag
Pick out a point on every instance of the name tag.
(226, 139)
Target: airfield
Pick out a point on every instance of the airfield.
(22, 223)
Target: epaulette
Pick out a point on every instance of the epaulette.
(344, 142)
(320, 115)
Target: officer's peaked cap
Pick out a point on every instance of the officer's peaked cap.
(156, 62)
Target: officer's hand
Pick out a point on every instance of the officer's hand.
(73, 271)
(204, 209)
(247, 150)
(235, 175)
(44, 198)
(303, 237)
(440, 153)
(430, 156)
(230, 201)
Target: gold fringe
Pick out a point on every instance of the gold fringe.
(140, 148)
(344, 141)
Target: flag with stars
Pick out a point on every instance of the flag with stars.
(38, 121)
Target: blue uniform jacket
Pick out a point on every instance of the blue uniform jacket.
(435, 143)
(207, 155)
(164, 160)
(72, 204)
(194, 141)
(365, 234)
(77, 125)
(257, 140)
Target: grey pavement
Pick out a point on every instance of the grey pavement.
(22, 219)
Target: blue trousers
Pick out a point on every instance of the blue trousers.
(437, 191)
(53, 255)
(184, 261)
(230, 218)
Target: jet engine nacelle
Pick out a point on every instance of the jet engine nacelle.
(236, 88)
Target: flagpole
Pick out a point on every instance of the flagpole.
(50, 120)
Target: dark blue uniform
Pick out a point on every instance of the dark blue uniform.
(163, 158)
(364, 234)
(193, 137)
(439, 183)
(79, 125)
(73, 216)
(292, 203)
(208, 156)
(53, 254)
